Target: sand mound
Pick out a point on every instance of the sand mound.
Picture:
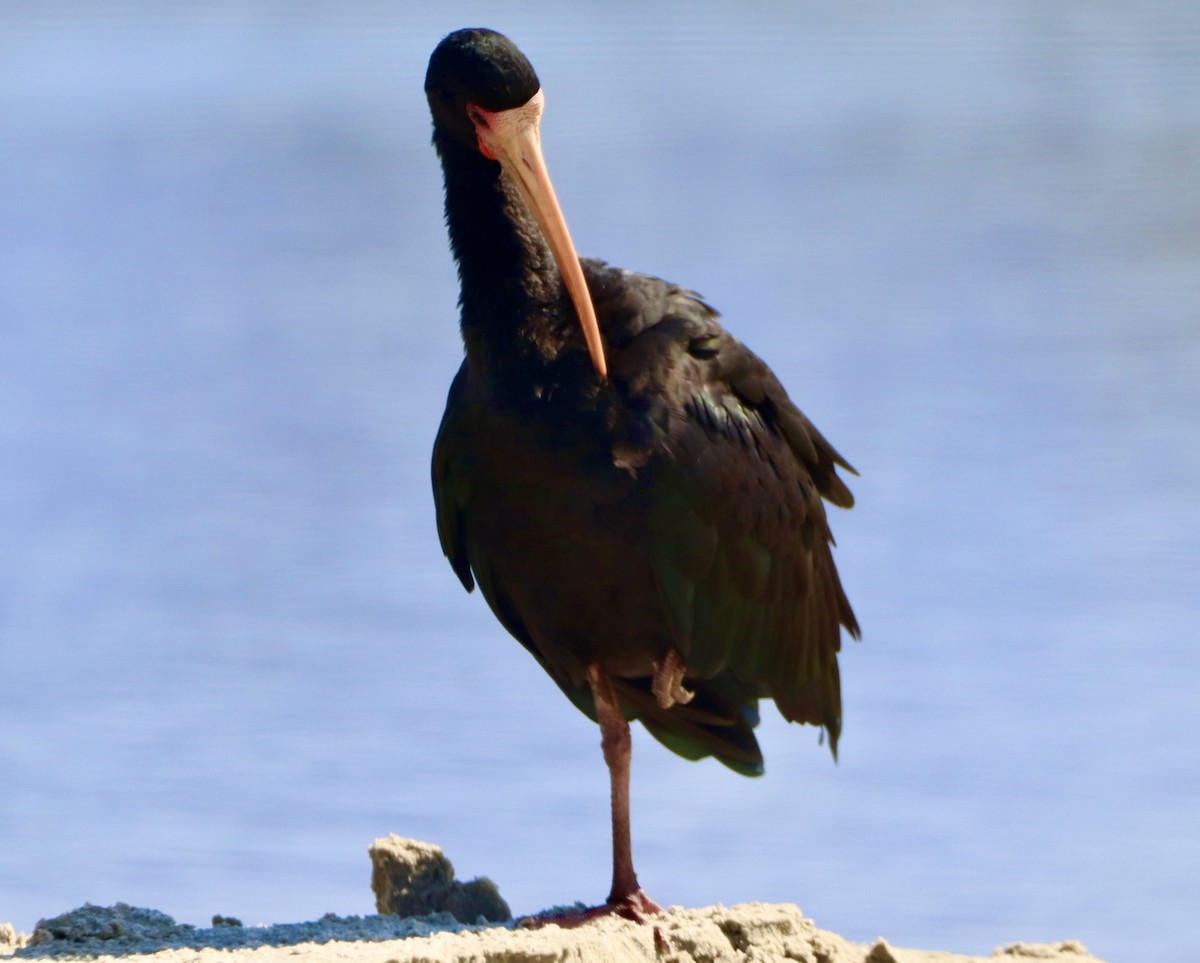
(413, 875)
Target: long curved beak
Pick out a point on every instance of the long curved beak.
(513, 138)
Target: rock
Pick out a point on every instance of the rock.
(1043, 951)
(10, 939)
(881, 952)
(412, 878)
(99, 924)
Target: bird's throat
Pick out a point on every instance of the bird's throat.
(511, 289)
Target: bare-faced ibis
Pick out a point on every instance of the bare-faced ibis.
(629, 486)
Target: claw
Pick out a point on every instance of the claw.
(668, 681)
(636, 907)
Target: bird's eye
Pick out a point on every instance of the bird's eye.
(704, 347)
(481, 119)
(477, 115)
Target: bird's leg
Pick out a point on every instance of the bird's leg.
(626, 897)
(617, 743)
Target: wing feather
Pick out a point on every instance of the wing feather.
(763, 602)
(451, 485)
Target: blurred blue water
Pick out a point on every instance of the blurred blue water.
(965, 235)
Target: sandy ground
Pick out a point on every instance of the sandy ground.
(441, 920)
(753, 931)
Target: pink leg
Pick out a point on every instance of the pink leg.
(617, 743)
(626, 897)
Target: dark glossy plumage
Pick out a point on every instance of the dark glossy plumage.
(679, 505)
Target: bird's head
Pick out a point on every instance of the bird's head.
(476, 68)
(484, 94)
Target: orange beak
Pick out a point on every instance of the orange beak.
(512, 137)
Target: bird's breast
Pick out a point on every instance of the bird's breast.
(559, 514)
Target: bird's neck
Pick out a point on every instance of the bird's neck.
(511, 289)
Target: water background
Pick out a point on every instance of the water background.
(966, 236)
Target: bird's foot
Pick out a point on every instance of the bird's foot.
(636, 906)
(667, 684)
